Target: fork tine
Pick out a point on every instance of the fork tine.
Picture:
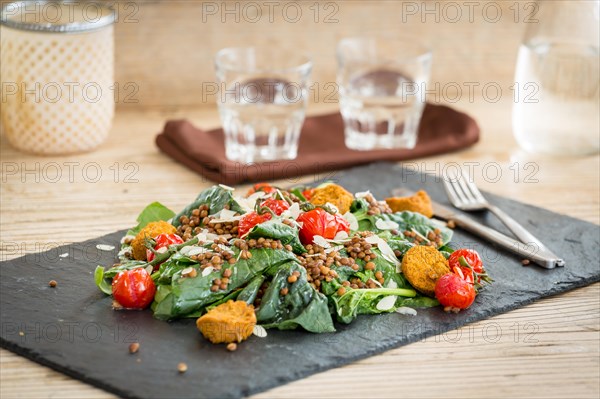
(458, 186)
(462, 182)
(470, 186)
(452, 193)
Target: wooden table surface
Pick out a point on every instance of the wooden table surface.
(548, 349)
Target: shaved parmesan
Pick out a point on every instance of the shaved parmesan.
(205, 236)
(225, 216)
(259, 194)
(386, 250)
(340, 235)
(362, 194)
(377, 283)
(225, 248)
(387, 303)
(392, 284)
(192, 250)
(373, 240)
(332, 249)
(420, 235)
(248, 203)
(292, 212)
(386, 224)
(208, 271)
(224, 187)
(319, 240)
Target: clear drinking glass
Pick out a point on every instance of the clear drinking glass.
(57, 62)
(262, 102)
(558, 80)
(382, 90)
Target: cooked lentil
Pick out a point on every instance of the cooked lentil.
(376, 207)
(232, 346)
(134, 347)
(182, 367)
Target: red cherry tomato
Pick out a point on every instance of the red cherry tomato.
(319, 222)
(308, 193)
(277, 206)
(133, 289)
(249, 220)
(264, 187)
(474, 261)
(454, 292)
(163, 241)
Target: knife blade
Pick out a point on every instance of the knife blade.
(529, 251)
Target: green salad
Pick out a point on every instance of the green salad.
(300, 258)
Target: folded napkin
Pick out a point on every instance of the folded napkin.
(321, 147)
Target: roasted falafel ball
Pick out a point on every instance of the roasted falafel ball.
(333, 194)
(152, 229)
(423, 265)
(232, 321)
(420, 202)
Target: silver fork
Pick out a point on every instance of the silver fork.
(465, 195)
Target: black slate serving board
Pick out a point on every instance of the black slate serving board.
(71, 328)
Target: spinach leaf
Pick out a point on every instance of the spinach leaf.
(174, 264)
(102, 282)
(277, 230)
(216, 198)
(152, 213)
(419, 223)
(297, 191)
(249, 292)
(190, 295)
(417, 302)
(161, 293)
(407, 221)
(364, 301)
(446, 250)
(359, 209)
(302, 306)
(398, 243)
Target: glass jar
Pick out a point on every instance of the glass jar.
(557, 80)
(57, 61)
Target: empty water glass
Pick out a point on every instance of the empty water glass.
(382, 90)
(262, 102)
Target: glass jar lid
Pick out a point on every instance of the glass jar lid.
(56, 16)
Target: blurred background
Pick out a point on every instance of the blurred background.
(166, 48)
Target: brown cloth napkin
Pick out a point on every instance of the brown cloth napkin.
(321, 147)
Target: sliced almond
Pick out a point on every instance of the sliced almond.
(387, 303)
(105, 247)
(406, 310)
(259, 331)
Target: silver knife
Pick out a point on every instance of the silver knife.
(540, 256)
